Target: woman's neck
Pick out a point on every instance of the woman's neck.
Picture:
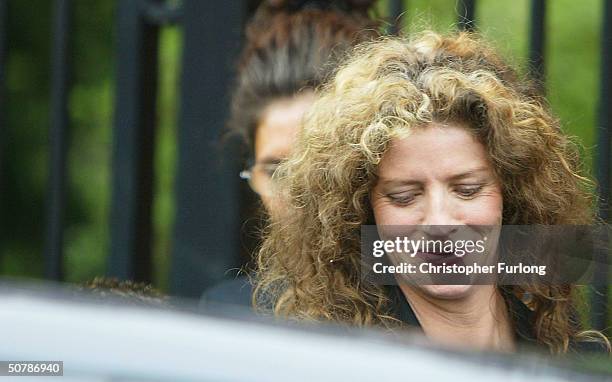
(478, 321)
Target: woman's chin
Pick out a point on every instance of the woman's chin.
(447, 292)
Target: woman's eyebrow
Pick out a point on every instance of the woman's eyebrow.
(468, 173)
(398, 182)
(391, 182)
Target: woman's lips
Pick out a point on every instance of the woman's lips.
(439, 258)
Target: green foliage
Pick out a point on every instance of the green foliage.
(165, 160)
(89, 157)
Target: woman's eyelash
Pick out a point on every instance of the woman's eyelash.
(463, 191)
(402, 199)
(468, 191)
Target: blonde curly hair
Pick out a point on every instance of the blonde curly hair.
(309, 263)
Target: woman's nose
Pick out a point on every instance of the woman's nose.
(439, 215)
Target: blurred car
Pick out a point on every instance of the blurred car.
(113, 340)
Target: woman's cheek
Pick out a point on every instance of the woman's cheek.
(390, 214)
(487, 210)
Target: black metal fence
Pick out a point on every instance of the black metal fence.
(3, 40)
(207, 220)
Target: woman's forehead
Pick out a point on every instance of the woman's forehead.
(449, 151)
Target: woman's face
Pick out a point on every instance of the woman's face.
(274, 138)
(439, 175)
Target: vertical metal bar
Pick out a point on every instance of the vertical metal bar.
(3, 40)
(396, 15)
(537, 42)
(206, 231)
(466, 11)
(3, 51)
(599, 298)
(133, 144)
(58, 140)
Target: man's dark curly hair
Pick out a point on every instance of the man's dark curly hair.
(292, 46)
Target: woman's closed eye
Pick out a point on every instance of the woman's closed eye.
(403, 198)
(468, 191)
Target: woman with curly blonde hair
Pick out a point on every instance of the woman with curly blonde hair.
(437, 131)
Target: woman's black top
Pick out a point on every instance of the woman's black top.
(240, 290)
